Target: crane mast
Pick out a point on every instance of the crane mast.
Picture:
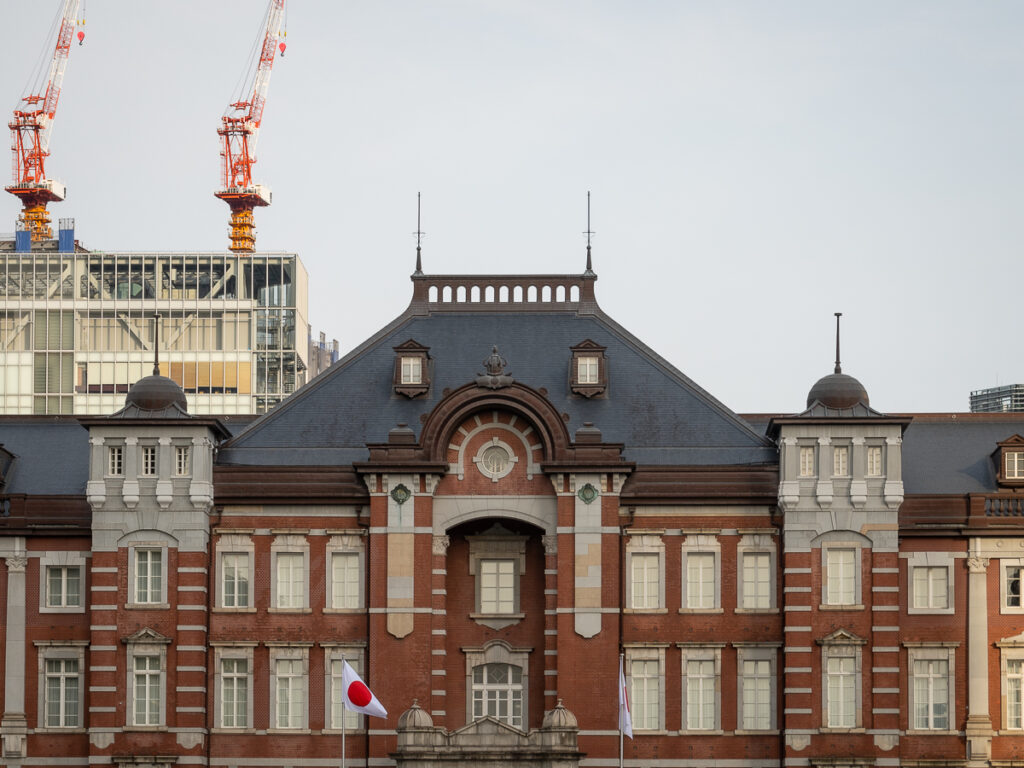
(30, 135)
(239, 131)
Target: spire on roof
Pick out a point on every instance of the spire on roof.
(839, 368)
(156, 345)
(419, 234)
(589, 233)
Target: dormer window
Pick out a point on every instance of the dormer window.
(588, 373)
(1010, 461)
(412, 369)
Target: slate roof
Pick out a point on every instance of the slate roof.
(660, 415)
(51, 455)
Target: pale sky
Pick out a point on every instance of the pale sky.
(754, 167)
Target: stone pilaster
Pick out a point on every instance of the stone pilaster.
(979, 722)
(13, 726)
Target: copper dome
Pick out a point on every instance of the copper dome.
(837, 390)
(156, 393)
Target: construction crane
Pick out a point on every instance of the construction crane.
(30, 134)
(239, 131)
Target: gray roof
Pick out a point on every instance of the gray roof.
(660, 415)
(51, 456)
(952, 453)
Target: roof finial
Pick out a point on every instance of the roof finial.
(419, 234)
(839, 368)
(588, 233)
(156, 346)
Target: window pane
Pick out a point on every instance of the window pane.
(700, 580)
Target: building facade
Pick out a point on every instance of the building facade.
(481, 508)
(1004, 399)
(78, 327)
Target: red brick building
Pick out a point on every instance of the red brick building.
(480, 508)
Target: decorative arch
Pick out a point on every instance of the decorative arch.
(518, 399)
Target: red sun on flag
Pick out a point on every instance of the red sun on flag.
(359, 694)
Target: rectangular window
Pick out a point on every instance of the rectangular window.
(700, 695)
(874, 461)
(757, 694)
(148, 576)
(841, 582)
(1014, 465)
(700, 580)
(146, 691)
(412, 370)
(646, 580)
(235, 580)
(498, 693)
(1012, 576)
(291, 693)
(497, 586)
(149, 460)
(841, 461)
(234, 693)
(61, 693)
(757, 580)
(1014, 693)
(930, 587)
(115, 460)
(63, 586)
(181, 460)
(338, 710)
(587, 369)
(931, 694)
(842, 694)
(291, 580)
(806, 461)
(645, 694)
(345, 580)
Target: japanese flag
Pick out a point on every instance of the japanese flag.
(357, 696)
(625, 719)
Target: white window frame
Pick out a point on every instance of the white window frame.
(411, 369)
(485, 548)
(232, 651)
(874, 461)
(757, 652)
(1007, 566)
(115, 461)
(334, 654)
(649, 654)
(241, 545)
(147, 646)
(509, 693)
(707, 656)
(499, 652)
(930, 560)
(840, 460)
(49, 650)
(701, 545)
(756, 544)
(645, 545)
(346, 545)
(931, 652)
(182, 460)
(134, 551)
(149, 460)
(807, 461)
(1011, 651)
(828, 601)
(290, 652)
(588, 369)
(841, 645)
(1016, 459)
(66, 560)
(289, 544)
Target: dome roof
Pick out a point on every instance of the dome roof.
(156, 393)
(414, 717)
(559, 717)
(837, 390)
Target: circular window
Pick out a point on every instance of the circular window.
(495, 459)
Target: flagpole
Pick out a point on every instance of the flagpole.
(621, 658)
(343, 718)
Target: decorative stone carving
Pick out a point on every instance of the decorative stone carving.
(887, 741)
(495, 376)
(977, 564)
(798, 741)
(440, 545)
(550, 544)
(16, 563)
(101, 739)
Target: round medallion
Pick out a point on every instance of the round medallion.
(400, 494)
(587, 493)
(495, 459)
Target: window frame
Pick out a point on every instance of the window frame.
(484, 547)
(346, 545)
(649, 544)
(756, 544)
(65, 559)
(840, 460)
(290, 545)
(931, 560)
(408, 350)
(701, 545)
(115, 461)
(149, 460)
(232, 651)
(841, 645)
(873, 449)
(290, 652)
(807, 457)
(354, 654)
(182, 468)
(511, 692)
(757, 652)
(588, 349)
(50, 650)
(703, 654)
(827, 602)
(238, 544)
(646, 653)
(134, 551)
(1007, 564)
(498, 652)
(146, 643)
(930, 652)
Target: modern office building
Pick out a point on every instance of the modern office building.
(78, 327)
(482, 508)
(1008, 398)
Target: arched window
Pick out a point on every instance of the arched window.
(498, 693)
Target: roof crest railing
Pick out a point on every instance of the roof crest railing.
(487, 293)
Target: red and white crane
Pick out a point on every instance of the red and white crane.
(31, 129)
(239, 131)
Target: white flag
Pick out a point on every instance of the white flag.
(625, 719)
(356, 695)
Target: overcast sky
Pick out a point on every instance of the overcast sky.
(754, 166)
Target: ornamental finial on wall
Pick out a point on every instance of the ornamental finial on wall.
(495, 377)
